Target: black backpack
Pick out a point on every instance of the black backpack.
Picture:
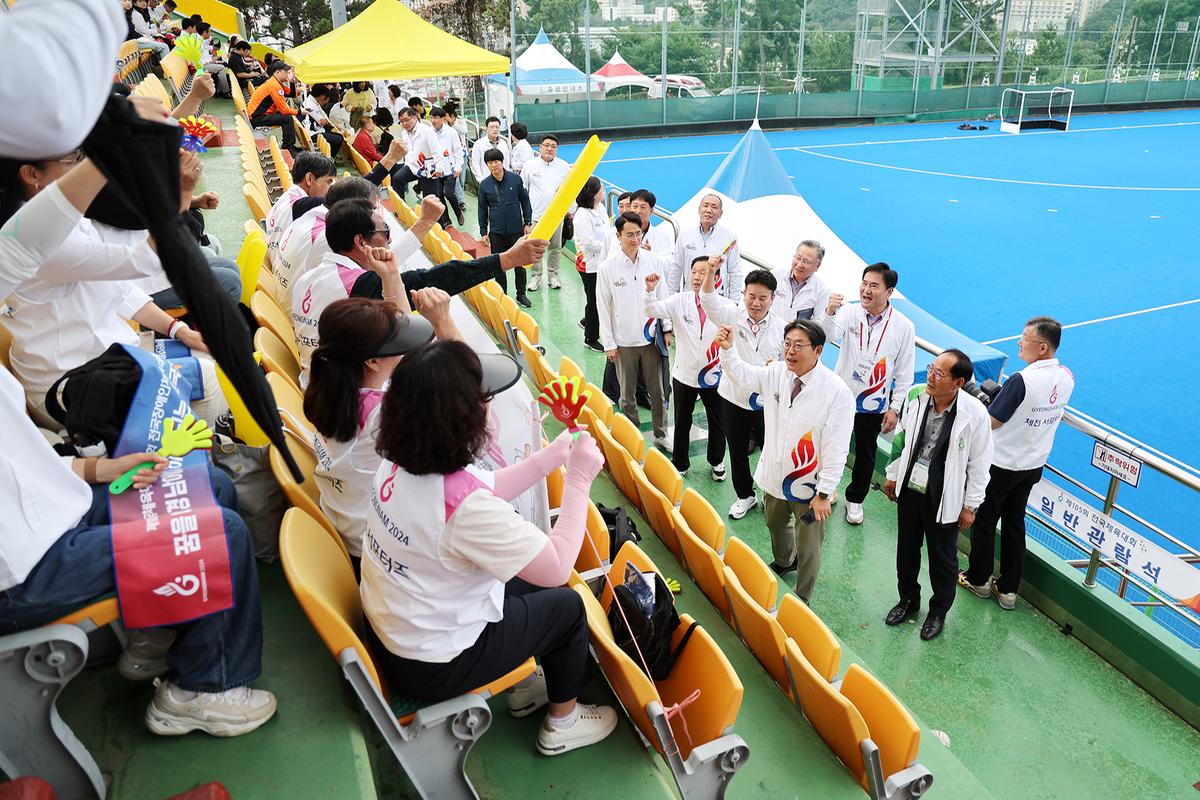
(653, 633)
(621, 528)
(96, 398)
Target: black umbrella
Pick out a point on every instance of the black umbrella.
(141, 161)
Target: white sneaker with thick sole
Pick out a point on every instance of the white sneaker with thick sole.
(742, 506)
(854, 513)
(718, 473)
(662, 443)
(175, 711)
(1007, 600)
(554, 284)
(145, 654)
(524, 700)
(593, 725)
(533, 285)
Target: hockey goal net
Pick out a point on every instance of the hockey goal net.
(1023, 110)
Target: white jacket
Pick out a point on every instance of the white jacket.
(968, 456)
(620, 289)
(808, 303)
(593, 230)
(756, 344)
(696, 362)
(479, 167)
(448, 158)
(872, 357)
(807, 441)
(692, 243)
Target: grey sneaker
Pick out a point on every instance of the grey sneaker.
(145, 654)
(175, 711)
(524, 700)
(984, 591)
(1006, 600)
(594, 724)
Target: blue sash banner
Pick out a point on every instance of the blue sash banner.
(170, 551)
(181, 357)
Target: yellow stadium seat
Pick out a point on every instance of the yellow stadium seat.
(554, 487)
(360, 163)
(269, 315)
(266, 282)
(302, 135)
(305, 496)
(250, 261)
(538, 367)
(568, 368)
(628, 435)
(703, 519)
(249, 226)
(290, 403)
(281, 167)
(256, 200)
(599, 403)
(239, 96)
(92, 616)
(176, 70)
(891, 727)
(656, 507)
(802, 625)
(323, 581)
(752, 572)
(704, 565)
(511, 312)
(663, 475)
(323, 147)
(759, 630)
(830, 713)
(616, 458)
(526, 325)
(277, 357)
(596, 548)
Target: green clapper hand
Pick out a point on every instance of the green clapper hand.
(192, 434)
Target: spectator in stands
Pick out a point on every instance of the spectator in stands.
(391, 99)
(140, 28)
(625, 332)
(801, 292)
(359, 100)
(382, 136)
(364, 142)
(318, 121)
(491, 141)
(209, 60)
(312, 175)
(696, 372)
(279, 113)
(593, 229)
(542, 177)
(419, 141)
(418, 106)
(709, 238)
(505, 215)
(759, 340)
(642, 202)
(1024, 417)
(938, 482)
(188, 25)
(448, 164)
(338, 114)
(362, 341)
(877, 350)
(460, 127)
(659, 239)
(245, 66)
(490, 593)
(809, 416)
(361, 265)
(521, 151)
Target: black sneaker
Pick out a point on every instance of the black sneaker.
(522, 300)
(582, 325)
(783, 569)
(593, 344)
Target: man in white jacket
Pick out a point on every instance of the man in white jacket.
(938, 482)
(708, 238)
(809, 413)
(878, 349)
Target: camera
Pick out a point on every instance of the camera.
(985, 392)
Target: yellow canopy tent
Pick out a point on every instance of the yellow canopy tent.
(387, 40)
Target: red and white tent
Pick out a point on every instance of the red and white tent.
(617, 74)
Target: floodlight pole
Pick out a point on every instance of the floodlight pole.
(665, 82)
(800, 57)
(587, 55)
(737, 49)
(512, 55)
(1003, 41)
(337, 10)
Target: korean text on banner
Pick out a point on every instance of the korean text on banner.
(1157, 567)
(581, 170)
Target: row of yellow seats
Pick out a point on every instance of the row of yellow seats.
(151, 86)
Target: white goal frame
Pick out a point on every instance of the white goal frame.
(1024, 120)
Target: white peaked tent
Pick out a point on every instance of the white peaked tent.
(541, 73)
(618, 74)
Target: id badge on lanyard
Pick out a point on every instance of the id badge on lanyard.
(867, 357)
(918, 477)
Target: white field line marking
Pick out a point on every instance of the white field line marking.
(1105, 319)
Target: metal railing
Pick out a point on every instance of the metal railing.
(1093, 559)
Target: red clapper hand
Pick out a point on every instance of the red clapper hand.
(565, 400)
(192, 434)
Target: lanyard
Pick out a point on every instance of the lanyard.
(882, 333)
(700, 312)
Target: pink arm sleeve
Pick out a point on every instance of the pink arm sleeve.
(553, 565)
(513, 481)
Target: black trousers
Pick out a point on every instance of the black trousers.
(287, 129)
(916, 519)
(547, 623)
(740, 425)
(685, 406)
(866, 432)
(444, 187)
(591, 317)
(1007, 493)
(499, 243)
(335, 142)
(402, 176)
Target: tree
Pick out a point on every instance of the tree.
(828, 59)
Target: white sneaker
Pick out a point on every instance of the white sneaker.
(524, 700)
(854, 513)
(534, 284)
(718, 473)
(554, 284)
(593, 724)
(175, 711)
(662, 443)
(145, 654)
(1007, 600)
(742, 506)
(983, 591)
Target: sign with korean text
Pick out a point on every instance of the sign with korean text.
(170, 552)
(1142, 557)
(1125, 468)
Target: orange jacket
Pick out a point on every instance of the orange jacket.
(270, 88)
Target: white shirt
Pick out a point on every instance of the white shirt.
(448, 153)
(593, 229)
(696, 357)
(968, 456)
(807, 302)
(329, 282)
(542, 180)
(76, 42)
(280, 217)
(807, 439)
(422, 148)
(620, 289)
(1025, 439)
(142, 27)
(694, 242)
(346, 470)
(314, 115)
(340, 117)
(522, 151)
(433, 572)
(756, 343)
(479, 167)
(661, 239)
(873, 356)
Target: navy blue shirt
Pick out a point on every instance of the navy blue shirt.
(505, 205)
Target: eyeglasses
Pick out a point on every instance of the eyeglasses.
(788, 346)
(386, 233)
(70, 159)
(935, 373)
(808, 262)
